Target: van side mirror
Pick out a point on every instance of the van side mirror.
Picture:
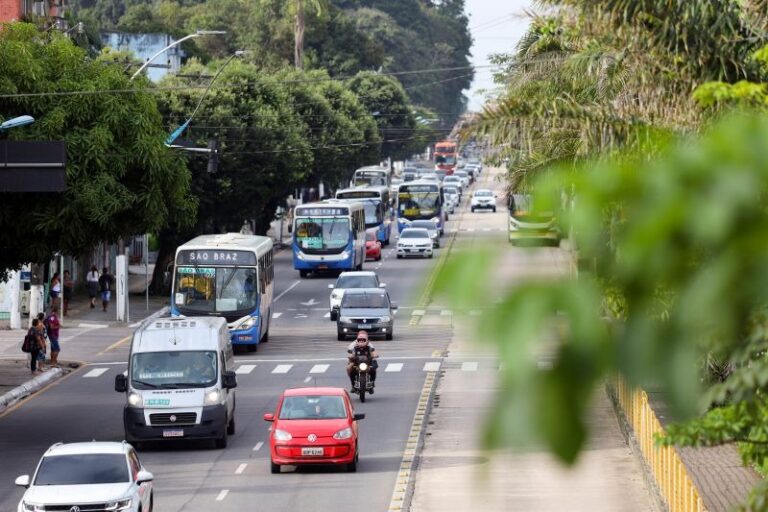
(121, 383)
(393, 305)
(22, 481)
(358, 416)
(229, 380)
(144, 476)
(269, 417)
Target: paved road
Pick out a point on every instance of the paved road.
(195, 477)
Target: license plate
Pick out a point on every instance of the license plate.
(363, 326)
(311, 452)
(322, 267)
(173, 433)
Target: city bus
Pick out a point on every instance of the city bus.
(228, 275)
(373, 175)
(328, 235)
(417, 200)
(446, 155)
(376, 205)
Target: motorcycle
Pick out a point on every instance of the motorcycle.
(363, 383)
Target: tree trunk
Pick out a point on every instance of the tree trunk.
(167, 246)
(299, 35)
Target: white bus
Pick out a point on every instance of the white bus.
(372, 175)
(329, 235)
(229, 275)
(376, 204)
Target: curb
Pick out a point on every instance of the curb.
(29, 387)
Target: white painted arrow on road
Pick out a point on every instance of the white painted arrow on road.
(310, 303)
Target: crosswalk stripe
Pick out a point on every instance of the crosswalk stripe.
(394, 367)
(432, 366)
(241, 468)
(276, 315)
(327, 315)
(319, 368)
(95, 373)
(419, 312)
(245, 369)
(469, 366)
(222, 495)
(258, 446)
(282, 368)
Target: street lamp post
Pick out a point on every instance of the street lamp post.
(175, 43)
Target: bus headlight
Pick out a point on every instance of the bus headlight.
(135, 400)
(300, 255)
(244, 323)
(212, 397)
(345, 255)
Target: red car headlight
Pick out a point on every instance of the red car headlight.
(344, 433)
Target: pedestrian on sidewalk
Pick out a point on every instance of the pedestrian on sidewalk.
(105, 285)
(52, 326)
(69, 286)
(38, 347)
(55, 290)
(92, 283)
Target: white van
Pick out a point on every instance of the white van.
(180, 381)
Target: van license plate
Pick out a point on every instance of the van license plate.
(312, 452)
(173, 433)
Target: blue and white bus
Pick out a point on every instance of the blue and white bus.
(329, 235)
(372, 175)
(420, 199)
(229, 275)
(376, 205)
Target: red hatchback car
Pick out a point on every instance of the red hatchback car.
(314, 426)
(372, 246)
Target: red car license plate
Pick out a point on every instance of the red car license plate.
(312, 452)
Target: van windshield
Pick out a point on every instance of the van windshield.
(176, 369)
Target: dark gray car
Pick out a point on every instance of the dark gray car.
(366, 309)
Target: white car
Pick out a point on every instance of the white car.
(483, 199)
(88, 476)
(454, 181)
(430, 176)
(394, 185)
(348, 280)
(414, 242)
(464, 177)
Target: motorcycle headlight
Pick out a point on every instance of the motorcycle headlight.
(119, 505)
(244, 323)
(385, 318)
(212, 397)
(363, 367)
(32, 507)
(344, 433)
(135, 400)
(282, 435)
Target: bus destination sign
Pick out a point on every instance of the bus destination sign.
(314, 211)
(215, 257)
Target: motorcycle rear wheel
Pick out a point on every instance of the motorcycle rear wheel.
(363, 380)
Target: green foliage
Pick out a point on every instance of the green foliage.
(121, 179)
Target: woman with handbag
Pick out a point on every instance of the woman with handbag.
(37, 348)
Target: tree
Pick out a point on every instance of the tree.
(298, 8)
(121, 180)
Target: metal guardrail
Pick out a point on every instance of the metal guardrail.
(669, 472)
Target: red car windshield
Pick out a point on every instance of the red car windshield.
(313, 407)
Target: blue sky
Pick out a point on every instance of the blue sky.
(496, 26)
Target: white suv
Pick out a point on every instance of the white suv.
(414, 242)
(483, 199)
(348, 280)
(92, 476)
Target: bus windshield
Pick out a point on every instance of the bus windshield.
(445, 159)
(173, 369)
(216, 289)
(418, 203)
(370, 178)
(322, 235)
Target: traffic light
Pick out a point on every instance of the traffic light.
(213, 156)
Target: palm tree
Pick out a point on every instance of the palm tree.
(298, 9)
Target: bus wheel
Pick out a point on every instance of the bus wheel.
(302, 273)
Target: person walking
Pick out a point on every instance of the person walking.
(92, 283)
(55, 290)
(52, 326)
(68, 288)
(105, 285)
(38, 346)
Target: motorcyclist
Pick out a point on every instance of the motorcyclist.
(361, 347)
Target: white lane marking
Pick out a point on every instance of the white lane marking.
(276, 315)
(300, 315)
(307, 379)
(327, 315)
(222, 495)
(95, 373)
(240, 469)
(394, 367)
(320, 359)
(245, 369)
(319, 368)
(446, 312)
(286, 291)
(432, 366)
(258, 446)
(418, 312)
(282, 368)
(92, 326)
(469, 366)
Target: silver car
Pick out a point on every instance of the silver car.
(366, 309)
(431, 228)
